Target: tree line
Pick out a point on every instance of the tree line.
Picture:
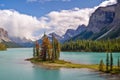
(48, 50)
(94, 46)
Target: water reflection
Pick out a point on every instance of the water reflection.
(13, 67)
(46, 74)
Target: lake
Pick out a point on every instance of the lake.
(14, 67)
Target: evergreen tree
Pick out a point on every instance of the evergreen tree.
(56, 48)
(34, 52)
(111, 62)
(101, 66)
(118, 63)
(46, 48)
(53, 48)
(107, 62)
(37, 47)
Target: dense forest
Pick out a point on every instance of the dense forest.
(2, 47)
(95, 46)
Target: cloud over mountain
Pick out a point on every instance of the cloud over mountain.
(22, 25)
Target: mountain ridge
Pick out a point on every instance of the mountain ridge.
(104, 23)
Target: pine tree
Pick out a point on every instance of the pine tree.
(37, 47)
(107, 62)
(34, 52)
(53, 48)
(46, 48)
(101, 66)
(118, 63)
(111, 62)
(56, 48)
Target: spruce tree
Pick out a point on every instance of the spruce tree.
(107, 62)
(34, 52)
(101, 66)
(111, 62)
(37, 47)
(118, 63)
(46, 48)
(53, 48)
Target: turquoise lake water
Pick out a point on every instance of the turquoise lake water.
(14, 67)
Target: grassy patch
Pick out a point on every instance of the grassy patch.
(66, 64)
(61, 63)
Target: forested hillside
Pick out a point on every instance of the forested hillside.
(95, 46)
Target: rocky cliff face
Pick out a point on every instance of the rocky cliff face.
(114, 27)
(4, 35)
(104, 23)
(101, 18)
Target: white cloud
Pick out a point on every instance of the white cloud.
(19, 25)
(67, 19)
(108, 2)
(22, 25)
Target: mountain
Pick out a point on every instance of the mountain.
(4, 35)
(114, 31)
(104, 23)
(4, 38)
(59, 38)
(22, 41)
(71, 33)
(11, 44)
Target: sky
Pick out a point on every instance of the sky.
(31, 18)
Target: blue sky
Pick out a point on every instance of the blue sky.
(30, 18)
(42, 7)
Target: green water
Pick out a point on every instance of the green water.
(14, 67)
(87, 57)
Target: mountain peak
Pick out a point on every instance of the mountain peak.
(4, 35)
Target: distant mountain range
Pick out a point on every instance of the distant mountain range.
(104, 23)
(4, 38)
(22, 41)
(13, 41)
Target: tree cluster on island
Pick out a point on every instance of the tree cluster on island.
(48, 50)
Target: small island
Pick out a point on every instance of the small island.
(47, 55)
